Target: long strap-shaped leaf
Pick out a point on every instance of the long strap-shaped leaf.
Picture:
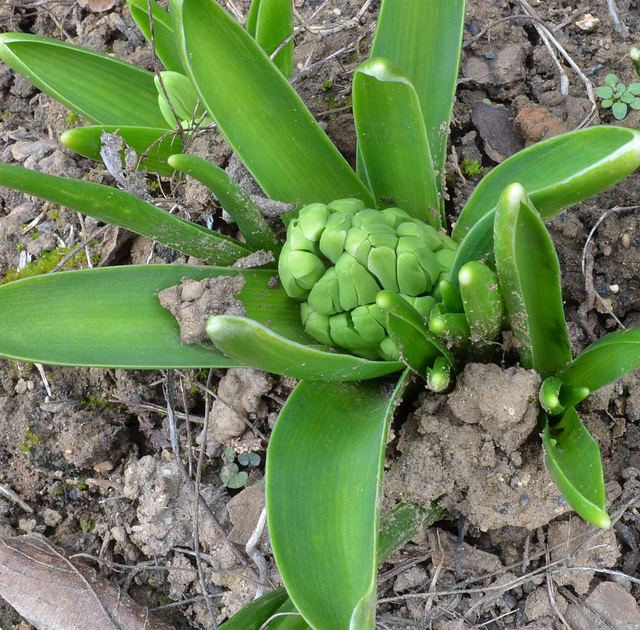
(406, 34)
(104, 90)
(165, 45)
(252, 616)
(558, 172)
(604, 361)
(397, 526)
(238, 338)
(112, 317)
(392, 140)
(121, 208)
(324, 469)
(143, 140)
(573, 460)
(259, 113)
(253, 226)
(270, 23)
(529, 273)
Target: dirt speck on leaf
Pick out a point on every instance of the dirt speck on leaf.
(192, 302)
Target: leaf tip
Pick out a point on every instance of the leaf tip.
(515, 193)
(215, 327)
(601, 519)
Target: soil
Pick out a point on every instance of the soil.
(88, 452)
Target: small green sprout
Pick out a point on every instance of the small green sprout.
(30, 442)
(230, 474)
(470, 168)
(86, 526)
(249, 459)
(71, 118)
(618, 96)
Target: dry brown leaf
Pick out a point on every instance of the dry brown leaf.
(53, 592)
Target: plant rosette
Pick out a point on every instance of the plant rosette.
(372, 287)
(619, 97)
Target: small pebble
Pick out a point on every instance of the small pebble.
(587, 22)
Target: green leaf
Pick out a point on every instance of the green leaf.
(574, 462)
(112, 317)
(165, 45)
(121, 208)
(555, 397)
(406, 34)
(558, 172)
(604, 92)
(482, 302)
(407, 328)
(392, 141)
(324, 470)
(270, 22)
(401, 524)
(397, 527)
(104, 90)
(611, 80)
(240, 338)
(529, 274)
(254, 227)
(619, 110)
(604, 361)
(259, 113)
(288, 619)
(156, 144)
(232, 477)
(253, 615)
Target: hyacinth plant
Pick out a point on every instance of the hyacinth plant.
(372, 288)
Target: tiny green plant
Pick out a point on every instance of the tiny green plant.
(373, 290)
(31, 440)
(230, 474)
(71, 118)
(470, 168)
(619, 97)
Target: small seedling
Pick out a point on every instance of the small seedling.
(249, 459)
(618, 96)
(30, 442)
(470, 168)
(230, 474)
(71, 119)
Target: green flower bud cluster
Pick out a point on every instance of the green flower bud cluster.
(338, 257)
